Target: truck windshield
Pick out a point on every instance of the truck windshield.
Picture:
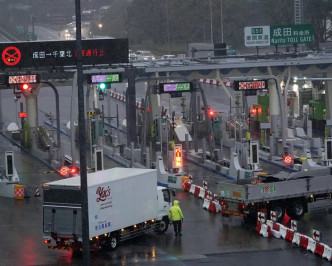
(167, 196)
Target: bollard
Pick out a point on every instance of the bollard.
(37, 194)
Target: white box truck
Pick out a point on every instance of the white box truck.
(122, 203)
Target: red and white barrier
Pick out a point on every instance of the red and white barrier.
(270, 228)
(311, 245)
(123, 98)
(192, 189)
(283, 231)
(304, 241)
(215, 82)
(297, 238)
(327, 254)
(206, 204)
(202, 192)
(197, 190)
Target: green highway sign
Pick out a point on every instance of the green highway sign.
(278, 35)
(291, 34)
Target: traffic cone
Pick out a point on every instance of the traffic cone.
(37, 194)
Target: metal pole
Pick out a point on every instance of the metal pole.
(222, 23)
(211, 22)
(167, 21)
(82, 141)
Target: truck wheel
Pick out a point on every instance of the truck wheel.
(296, 210)
(163, 226)
(279, 209)
(113, 242)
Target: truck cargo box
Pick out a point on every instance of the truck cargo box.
(117, 198)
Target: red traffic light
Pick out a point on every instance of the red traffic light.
(288, 159)
(25, 87)
(211, 113)
(22, 114)
(64, 171)
(73, 170)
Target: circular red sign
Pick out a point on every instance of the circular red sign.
(11, 56)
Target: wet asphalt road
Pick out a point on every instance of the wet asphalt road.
(208, 238)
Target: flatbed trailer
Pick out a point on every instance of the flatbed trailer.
(289, 194)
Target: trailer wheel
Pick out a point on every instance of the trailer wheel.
(113, 242)
(163, 226)
(279, 209)
(296, 209)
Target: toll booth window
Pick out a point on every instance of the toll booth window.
(10, 165)
(167, 196)
(62, 196)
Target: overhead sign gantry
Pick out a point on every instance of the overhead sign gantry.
(62, 53)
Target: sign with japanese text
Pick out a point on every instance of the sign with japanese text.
(19, 79)
(175, 87)
(249, 85)
(63, 53)
(257, 36)
(291, 34)
(278, 35)
(178, 156)
(107, 78)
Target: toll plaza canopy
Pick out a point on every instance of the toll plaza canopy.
(62, 53)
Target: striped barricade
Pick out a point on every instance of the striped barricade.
(304, 241)
(327, 254)
(206, 204)
(217, 205)
(202, 193)
(192, 189)
(319, 249)
(265, 230)
(197, 190)
(269, 223)
(297, 238)
(283, 231)
(275, 228)
(212, 207)
(187, 186)
(311, 244)
(289, 235)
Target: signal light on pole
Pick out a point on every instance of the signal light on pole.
(288, 159)
(102, 86)
(25, 87)
(64, 171)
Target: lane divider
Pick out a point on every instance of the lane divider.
(210, 201)
(266, 229)
(271, 228)
(122, 98)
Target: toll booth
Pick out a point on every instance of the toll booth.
(317, 114)
(216, 127)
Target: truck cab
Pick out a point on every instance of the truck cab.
(164, 203)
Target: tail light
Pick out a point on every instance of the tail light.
(47, 241)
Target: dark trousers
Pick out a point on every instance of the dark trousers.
(177, 227)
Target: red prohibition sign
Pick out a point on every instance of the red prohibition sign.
(11, 56)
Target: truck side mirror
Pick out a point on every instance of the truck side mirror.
(173, 193)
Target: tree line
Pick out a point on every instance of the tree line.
(169, 25)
